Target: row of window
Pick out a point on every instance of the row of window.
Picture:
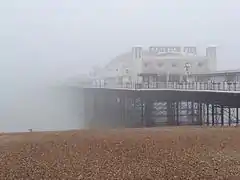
(199, 64)
(126, 70)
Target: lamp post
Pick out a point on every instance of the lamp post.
(187, 67)
(126, 73)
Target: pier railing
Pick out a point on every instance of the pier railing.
(216, 86)
(220, 86)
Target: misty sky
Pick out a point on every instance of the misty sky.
(59, 38)
(46, 40)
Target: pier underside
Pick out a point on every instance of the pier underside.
(150, 108)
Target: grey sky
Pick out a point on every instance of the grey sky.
(64, 37)
(49, 40)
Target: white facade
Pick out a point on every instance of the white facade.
(158, 60)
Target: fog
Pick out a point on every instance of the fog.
(45, 42)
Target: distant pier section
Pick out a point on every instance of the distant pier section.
(161, 86)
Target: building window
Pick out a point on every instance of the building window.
(174, 65)
(160, 64)
(200, 64)
(136, 53)
(174, 78)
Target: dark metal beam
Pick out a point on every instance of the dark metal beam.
(192, 111)
(207, 114)
(213, 114)
(229, 117)
(222, 115)
(200, 113)
(177, 112)
(237, 116)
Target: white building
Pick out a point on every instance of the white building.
(167, 63)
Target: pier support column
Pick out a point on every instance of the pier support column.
(213, 115)
(237, 117)
(177, 113)
(207, 114)
(200, 111)
(192, 112)
(123, 111)
(170, 113)
(229, 117)
(142, 112)
(222, 115)
(148, 119)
